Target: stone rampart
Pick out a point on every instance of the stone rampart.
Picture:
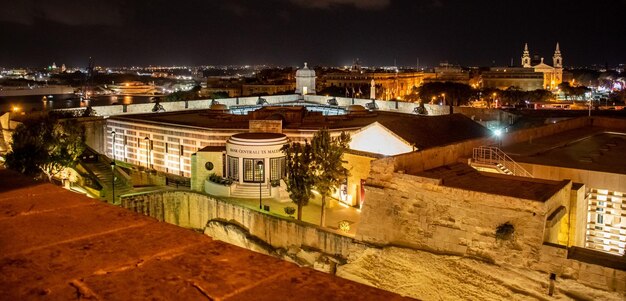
(195, 211)
(414, 162)
(419, 213)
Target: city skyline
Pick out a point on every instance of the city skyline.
(323, 32)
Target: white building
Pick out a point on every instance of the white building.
(305, 81)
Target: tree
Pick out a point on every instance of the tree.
(455, 93)
(44, 144)
(299, 178)
(327, 165)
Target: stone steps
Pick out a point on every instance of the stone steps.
(250, 191)
(103, 173)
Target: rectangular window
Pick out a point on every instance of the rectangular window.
(277, 168)
(274, 169)
(251, 173)
(248, 170)
(233, 168)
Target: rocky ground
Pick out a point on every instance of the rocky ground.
(423, 275)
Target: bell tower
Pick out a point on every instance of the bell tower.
(526, 57)
(557, 60)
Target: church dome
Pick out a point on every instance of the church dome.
(305, 72)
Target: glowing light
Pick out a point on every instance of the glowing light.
(498, 132)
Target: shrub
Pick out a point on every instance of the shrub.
(220, 180)
(290, 210)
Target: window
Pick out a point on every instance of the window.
(277, 168)
(251, 173)
(233, 168)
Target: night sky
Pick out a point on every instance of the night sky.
(321, 32)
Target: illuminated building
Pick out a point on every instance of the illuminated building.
(502, 78)
(448, 73)
(389, 85)
(265, 89)
(305, 81)
(182, 143)
(533, 75)
(552, 75)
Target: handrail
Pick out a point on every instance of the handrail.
(124, 176)
(494, 155)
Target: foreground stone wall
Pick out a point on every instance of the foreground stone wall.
(195, 211)
(408, 271)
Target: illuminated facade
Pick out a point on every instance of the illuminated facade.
(388, 85)
(552, 75)
(305, 81)
(606, 221)
(182, 143)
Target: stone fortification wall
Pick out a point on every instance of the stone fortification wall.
(609, 123)
(414, 162)
(543, 131)
(195, 211)
(95, 132)
(397, 106)
(554, 259)
(419, 272)
(416, 212)
(112, 110)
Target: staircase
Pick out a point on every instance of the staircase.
(101, 169)
(494, 157)
(251, 191)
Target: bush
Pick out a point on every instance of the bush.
(220, 180)
(290, 210)
(275, 183)
(505, 231)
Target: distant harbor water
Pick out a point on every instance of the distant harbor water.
(45, 102)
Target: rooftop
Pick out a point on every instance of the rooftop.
(259, 136)
(465, 177)
(60, 245)
(589, 148)
(422, 131)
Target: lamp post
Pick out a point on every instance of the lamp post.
(260, 165)
(113, 181)
(113, 144)
(147, 152)
(444, 98)
(498, 133)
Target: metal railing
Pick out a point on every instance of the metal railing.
(491, 155)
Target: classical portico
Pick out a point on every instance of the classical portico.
(255, 157)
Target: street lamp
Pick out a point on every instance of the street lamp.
(498, 133)
(113, 144)
(147, 152)
(444, 98)
(113, 181)
(259, 165)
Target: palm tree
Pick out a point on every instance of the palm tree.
(327, 165)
